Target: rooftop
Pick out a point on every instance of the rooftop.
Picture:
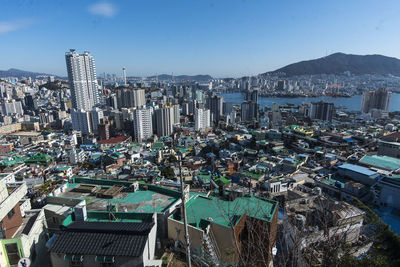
(356, 168)
(27, 223)
(115, 140)
(102, 239)
(381, 162)
(201, 209)
(147, 199)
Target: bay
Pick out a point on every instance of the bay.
(350, 103)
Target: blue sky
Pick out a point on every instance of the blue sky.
(221, 37)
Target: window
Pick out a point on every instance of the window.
(76, 261)
(105, 261)
(11, 214)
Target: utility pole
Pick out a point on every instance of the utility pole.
(184, 213)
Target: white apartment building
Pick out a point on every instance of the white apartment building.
(12, 107)
(142, 123)
(81, 121)
(201, 119)
(82, 80)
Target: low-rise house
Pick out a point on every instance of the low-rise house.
(220, 225)
(21, 229)
(389, 145)
(105, 243)
(359, 174)
(312, 218)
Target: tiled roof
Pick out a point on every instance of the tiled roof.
(115, 140)
(103, 238)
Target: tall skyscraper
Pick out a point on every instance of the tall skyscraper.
(250, 106)
(139, 98)
(379, 99)
(82, 80)
(249, 111)
(165, 121)
(216, 105)
(201, 119)
(177, 114)
(142, 124)
(31, 102)
(251, 95)
(321, 111)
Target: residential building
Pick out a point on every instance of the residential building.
(321, 111)
(358, 173)
(81, 121)
(249, 111)
(379, 99)
(105, 243)
(82, 80)
(21, 229)
(216, 105)
(201, 119)
(165, 121)
(389, 145)
(142, 124)
(221, 224)
(128, 98)
(12, 107)
(96, 115)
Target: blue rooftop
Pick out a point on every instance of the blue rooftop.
(359, 169)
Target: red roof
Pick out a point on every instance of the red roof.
(115, 140)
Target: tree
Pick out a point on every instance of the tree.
(168, 173)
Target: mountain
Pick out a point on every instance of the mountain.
(21, 73)
(339, 62)
(178, 78)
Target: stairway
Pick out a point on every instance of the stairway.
(211, 250)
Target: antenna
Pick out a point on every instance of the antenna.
(124, 75)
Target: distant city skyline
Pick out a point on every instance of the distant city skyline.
(219, 38)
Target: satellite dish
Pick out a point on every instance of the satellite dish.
(24, 262)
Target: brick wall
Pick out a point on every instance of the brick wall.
(11, 225)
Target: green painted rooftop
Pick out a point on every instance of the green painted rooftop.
(13, 160)
(384, 162)
(148, 199)
(201, 210)
(158, 145)
(105, 216)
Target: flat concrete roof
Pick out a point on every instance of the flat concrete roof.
(25, 133)
(146, 201)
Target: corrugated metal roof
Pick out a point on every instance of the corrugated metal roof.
(384, 162)
(359, 169)
(103, 238)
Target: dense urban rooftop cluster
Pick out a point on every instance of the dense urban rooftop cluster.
(92, 172)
